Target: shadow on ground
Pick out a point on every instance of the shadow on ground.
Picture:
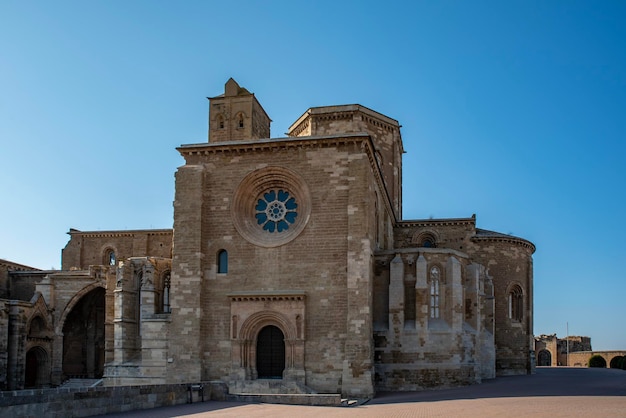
(548, 381)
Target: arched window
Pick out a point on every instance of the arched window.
(434, 292)
(37, 328)
(516, 303)
(428, 241)
(109, 257)
(240, 120)
(166, 292)
(220, 122)
(222, 261)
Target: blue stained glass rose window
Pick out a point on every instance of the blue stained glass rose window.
(276, 210)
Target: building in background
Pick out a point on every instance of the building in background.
(572, 351)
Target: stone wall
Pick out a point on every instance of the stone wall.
(84, 402)
(581, 358)
(4, 342)
(572, 351)
(329, 260)
(4, 281)
(352, 119)
(509, 263)
(546, 350)
(574, 343)
(140, 329)
(90, 248)
(17, 281)
(416, 348)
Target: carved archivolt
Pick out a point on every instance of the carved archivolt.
(251, 327)
(425, 238)
(251, 313)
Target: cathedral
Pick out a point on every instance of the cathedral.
(288, 268)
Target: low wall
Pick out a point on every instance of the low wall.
(581, 358)
(311, 399)
(84, 402)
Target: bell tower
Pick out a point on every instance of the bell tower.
(237, 115)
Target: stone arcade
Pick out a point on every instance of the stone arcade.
(288, 267)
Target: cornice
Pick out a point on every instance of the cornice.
(509, 239)
(438, 222)
(264, 295)
(269, 144)
(116, 234)
(16, 266)
(33, 272)
(420, 250)
(332, 112)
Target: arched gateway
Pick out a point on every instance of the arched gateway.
(544, 358)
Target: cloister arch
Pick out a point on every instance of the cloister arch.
(74, 300)
(616, 362)
(581, 358)
(83, 334)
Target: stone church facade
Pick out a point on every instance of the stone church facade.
(288, 262)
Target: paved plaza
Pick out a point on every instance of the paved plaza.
(551, 392)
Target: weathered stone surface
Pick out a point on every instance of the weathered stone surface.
(288, 260)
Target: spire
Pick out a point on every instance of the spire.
(231, 88)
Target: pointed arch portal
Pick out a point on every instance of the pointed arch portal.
(37, 370)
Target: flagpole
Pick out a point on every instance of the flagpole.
(567, 342)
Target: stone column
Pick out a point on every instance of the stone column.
(472, 306)
(358, 363)
(187, 278)
(4, 341)
(422, 304)
(16, 355)
(56, 375)
(532, 363)
(455, 287)
(148, 293)
(125, 318)
(396, 300)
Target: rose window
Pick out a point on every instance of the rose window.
(276, 211)
(271, 206)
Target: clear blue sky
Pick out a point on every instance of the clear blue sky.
(511, 110)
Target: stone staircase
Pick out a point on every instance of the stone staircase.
(81, 383)
(280, 392)
(269, 386)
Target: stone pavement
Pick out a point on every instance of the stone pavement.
(552, 392)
